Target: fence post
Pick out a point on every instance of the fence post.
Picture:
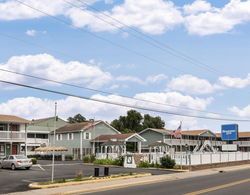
(201, 159)
(211, 158)
(220, 157)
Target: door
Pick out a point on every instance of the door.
(14, 149)
(7, 149)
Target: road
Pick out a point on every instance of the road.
(18, 180)
(229, 183)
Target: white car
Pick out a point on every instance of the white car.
(16, 162)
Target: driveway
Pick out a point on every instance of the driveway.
(18, 180)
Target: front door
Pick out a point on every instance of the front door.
(7, 149)
(14, 149)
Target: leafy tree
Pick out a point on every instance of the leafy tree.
(76, 119)
(135, 122)
(153, 122)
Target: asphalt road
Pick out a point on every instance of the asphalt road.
(18, 180)
(229, 183)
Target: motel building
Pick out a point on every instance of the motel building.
(13, 131)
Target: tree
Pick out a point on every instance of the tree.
(135, 122)
(152, 122)
(78, 118)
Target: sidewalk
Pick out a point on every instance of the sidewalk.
(114, 184)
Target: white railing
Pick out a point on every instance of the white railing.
(106, 156)
(180, 142)
(242, 143)
(191, 142)
(37, 141)
(12, 136)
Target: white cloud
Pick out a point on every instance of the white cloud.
(47, 66)
(241, 112)
(33, 107)
(192, 85)
(31, 32)
(216, 20)
(234, 82)
(151, 79)
(151, 16)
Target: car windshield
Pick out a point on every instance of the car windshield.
(21, 157)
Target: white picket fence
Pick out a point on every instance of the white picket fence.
(210, 158)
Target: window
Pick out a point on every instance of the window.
(70, 136)
(3, 127)
(2, 151)
(87, 136)
(42, 136)
(30, 135)
(58, 137)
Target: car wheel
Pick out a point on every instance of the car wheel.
(27, 168)
(13, 167)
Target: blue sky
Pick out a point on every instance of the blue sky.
(213, 32)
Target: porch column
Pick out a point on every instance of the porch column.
(26, 140)
(81, 152)
(125, 148)
(139, 147)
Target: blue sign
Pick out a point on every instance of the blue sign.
(229, 132)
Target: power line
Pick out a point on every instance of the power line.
(122, 104)
(149, 40)
(103, 39)
(87, 88)
(110, 93)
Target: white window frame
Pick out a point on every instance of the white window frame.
(89, 136)
(70, 136)
(57, 137)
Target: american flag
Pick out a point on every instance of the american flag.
(177, 133)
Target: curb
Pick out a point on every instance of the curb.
(36, 185)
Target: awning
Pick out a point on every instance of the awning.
(51, 149)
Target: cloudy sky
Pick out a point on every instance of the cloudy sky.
(192, 54)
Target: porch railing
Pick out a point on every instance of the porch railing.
(12, 136)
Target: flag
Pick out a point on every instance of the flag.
(177, 133)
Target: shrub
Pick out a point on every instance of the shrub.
(144, 164)
(119, 161)
(167, 162)
(89, 159)
(68, 157)
(34, 161)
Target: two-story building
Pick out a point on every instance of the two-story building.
(191, 140)
(38, 132)
(12, 134)
(77, 137)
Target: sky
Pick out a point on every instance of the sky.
(192, 54)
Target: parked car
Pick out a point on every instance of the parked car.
(16, 162)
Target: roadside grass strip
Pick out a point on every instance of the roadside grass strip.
(85, 180)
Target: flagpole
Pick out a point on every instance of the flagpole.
(181, 145)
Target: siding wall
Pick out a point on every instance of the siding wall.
(151, 137)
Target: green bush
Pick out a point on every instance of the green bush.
(118, 161)
(167, 162)
(34, 161)
(144, 164)
(89, 159)
(68, 157)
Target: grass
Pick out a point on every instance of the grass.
(79, 179)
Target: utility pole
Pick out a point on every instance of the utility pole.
(54, 144)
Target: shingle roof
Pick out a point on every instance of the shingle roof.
(162, 131)
(241, 134)
(76, 127)
(193, 132)
(13, 119)
(104, 138)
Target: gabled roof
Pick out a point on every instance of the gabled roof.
(196, 132)
(36, 121)
(75, 127)
(13, 119)
(162, 131)
(118, 137)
